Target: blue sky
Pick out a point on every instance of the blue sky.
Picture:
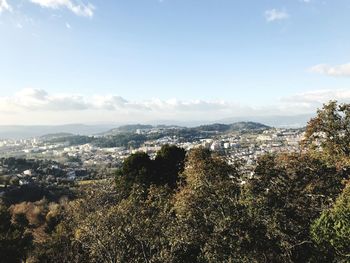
(170, 59)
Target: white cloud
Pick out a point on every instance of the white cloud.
(37, 99)
(315, 98)
(68, 26)
(78, 9)
(274, 15)
(4, 6)
(337, 70)
(39, 106)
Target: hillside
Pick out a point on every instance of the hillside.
(237, 126)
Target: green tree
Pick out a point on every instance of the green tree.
(169, 164)
(136, 169)
(139, 169)
(329, 131)
(213, 224)
(331, 231)
(288, 193)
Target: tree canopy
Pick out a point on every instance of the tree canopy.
(329, 131)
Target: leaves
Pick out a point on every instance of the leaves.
(329, 132)
(331, 231)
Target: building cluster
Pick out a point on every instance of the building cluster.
(243, 146)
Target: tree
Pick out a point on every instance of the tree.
(139, 169)
(213, 225)
(331, 231)
(169, 164)
(131, 231)
(61, 245)
(136, 169)
(288, 193)
(329, 131)
(15, 240)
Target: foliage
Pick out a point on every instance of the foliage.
(34, 193)
(213, 225)
(138, 168)
(329, 131)
(15, 240)
(131, 231)
(168, 164)
(72, 139)
(331, 231)
(288, 194)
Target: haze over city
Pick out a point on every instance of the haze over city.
(67, 61)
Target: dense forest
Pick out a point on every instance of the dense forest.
(196, 207)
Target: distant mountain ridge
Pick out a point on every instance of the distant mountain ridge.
(30, 131)
(51, 136)
(137, 134)
(236, 123)
(129, 128)
(277, 121)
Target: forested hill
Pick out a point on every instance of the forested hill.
(53, 136)
(25, 132)
(136, 135)
(128, 128)
(218, 127)
(237, 126)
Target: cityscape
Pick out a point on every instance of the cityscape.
(244, 145)
(174, 131)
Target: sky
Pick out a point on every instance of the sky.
(104, 61)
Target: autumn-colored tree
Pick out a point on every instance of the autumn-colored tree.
(15, 240)
(131, 231)
(60, 245)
